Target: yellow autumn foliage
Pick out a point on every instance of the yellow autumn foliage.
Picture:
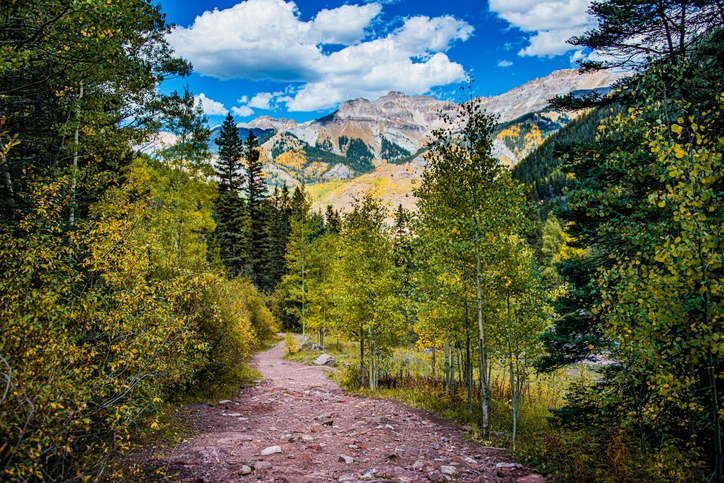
(292, 159)
(102, 323)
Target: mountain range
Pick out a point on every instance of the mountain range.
(377, 145)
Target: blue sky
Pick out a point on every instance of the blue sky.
(300, 59)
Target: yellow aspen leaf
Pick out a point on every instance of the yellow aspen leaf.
(676, 128)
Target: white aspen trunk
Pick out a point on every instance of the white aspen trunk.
(513, 387)
(481, 330)
(447, 362)
(452, 370)
(71, 217)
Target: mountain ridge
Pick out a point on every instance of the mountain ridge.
(378, 143)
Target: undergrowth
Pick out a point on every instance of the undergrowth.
(592, 455)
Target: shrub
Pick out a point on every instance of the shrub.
(290, 344)
(102, 323)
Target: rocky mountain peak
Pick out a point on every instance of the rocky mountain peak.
(355, 108)
(394, 95)
(268, 122)
(533, 95)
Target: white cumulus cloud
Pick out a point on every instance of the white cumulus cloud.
(210, 106)
(242, 111)
(550, 23)
(344, 25)
(504, 63)
(261, 100)
(267, 40)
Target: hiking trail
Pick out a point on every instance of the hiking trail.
(298, 426)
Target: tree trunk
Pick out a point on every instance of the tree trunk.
(362, 358)
(513, 386)
(304, 334)
(481, 331)
(447, 361)
(371, 358)
(71, 217)
(433, 367)
(452, 370)
(485, 387)
(468, 363)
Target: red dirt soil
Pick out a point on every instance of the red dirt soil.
(314, 423)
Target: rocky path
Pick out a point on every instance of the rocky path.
(297, 426)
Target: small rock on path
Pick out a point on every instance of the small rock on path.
(298, 426)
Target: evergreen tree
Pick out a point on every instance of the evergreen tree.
(642, 36)
(332, 220)
(229, 209)
(646, 209)
(258, 215)
(279, 234)
(231, 150)
(634, 191)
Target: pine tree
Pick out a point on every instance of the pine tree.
(258, 213)
(229, 209)
(332, 220)
(231, 150)
(279, 234)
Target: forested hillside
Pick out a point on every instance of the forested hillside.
(540, 170)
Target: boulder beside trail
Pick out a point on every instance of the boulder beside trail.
(325, 360)
(312, 347)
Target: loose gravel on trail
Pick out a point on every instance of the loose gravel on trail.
(297, 426)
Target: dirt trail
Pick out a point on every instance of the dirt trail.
(315, 425)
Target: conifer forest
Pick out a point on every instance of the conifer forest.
(569, 308)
